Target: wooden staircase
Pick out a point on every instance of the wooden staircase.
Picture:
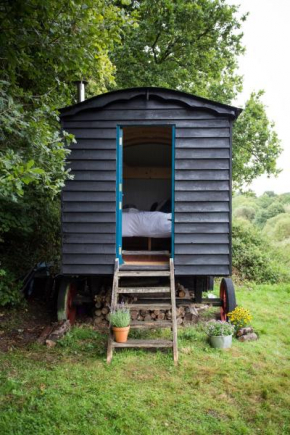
(151, 302)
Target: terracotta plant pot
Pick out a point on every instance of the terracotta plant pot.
(121, 334)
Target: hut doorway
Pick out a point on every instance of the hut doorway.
(145, 190)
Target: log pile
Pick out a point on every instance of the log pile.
(187, 314)
(247, 334)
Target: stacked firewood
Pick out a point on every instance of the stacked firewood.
(102, 307)
(186, 314)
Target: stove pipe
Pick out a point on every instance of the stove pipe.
(81, 90)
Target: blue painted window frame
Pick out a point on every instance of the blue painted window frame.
(119, 185)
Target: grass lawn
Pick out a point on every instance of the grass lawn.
(70, 389)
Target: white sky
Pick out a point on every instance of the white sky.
(266, 65)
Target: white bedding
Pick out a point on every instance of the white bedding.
(154, 224)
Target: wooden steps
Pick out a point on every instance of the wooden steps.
(138, 290)
(153, 324)
(147, 344)
(141, 273)
(150, 293)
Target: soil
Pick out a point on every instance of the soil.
(21, 327)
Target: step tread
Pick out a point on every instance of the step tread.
(148, 306)
(143, 290)
(144, 343)
(136, 273)
(145, 253)
(153, 324)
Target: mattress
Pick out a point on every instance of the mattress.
(154, 224)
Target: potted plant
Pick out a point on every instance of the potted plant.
(220, 334)
(120, 321)
(240, 317)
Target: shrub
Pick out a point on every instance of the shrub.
(240, 317)
(217, 329)
(120, 317)
(9, 289)
(253, 256)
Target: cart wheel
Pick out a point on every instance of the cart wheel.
(228, 297)
(65, 308)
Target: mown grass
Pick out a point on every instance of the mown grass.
(70, 389)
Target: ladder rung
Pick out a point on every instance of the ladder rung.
(146, 253)
(151, 306)
(136, 273)
(144, 343)
(153, 324)
(142, 290)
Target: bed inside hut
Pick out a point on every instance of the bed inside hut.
(147, 194)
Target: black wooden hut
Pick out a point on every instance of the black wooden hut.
(179, 149)
(147, 150)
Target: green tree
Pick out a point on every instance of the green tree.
(193, 46)
(45, 46)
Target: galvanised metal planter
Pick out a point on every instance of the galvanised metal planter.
(221, 341)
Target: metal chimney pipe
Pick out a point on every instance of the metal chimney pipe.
(81, 90)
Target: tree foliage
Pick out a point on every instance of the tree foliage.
(182, 44)
(193, 46)
(45, 46)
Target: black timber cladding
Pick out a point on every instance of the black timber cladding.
(202, 179)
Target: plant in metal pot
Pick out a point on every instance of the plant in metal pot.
(220, 334)
(120, 319)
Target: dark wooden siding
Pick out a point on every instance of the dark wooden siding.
(202, 187)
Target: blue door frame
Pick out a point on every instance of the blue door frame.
(119, 188)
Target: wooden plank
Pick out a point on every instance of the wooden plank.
(209, 207)
(202, 196)
(82, 269)
(198, 228)
(173, 304)
(85, 154)
(193, 142)
(89, 196)
(89, 228)
(89, 207)
(83, 175)
(108, 123)
(145, 253)
(80, 248)
(201, 249)
(92, 165)
(201, 238)
(201, 217)
(102, 238)
(154, 324)
(201, 185)
(147, 344)
(94, 144)
(87, 259)
(152, 305)
(202, 175)
(202, 132)
(142, 115)
(89, 186)
(89, 217)
(143, 290)
(202, 270)
(137, 273)
(202, 259)
(94, 133)
(208, 153)
(202, 164)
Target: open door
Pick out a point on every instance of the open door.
(145, 191)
